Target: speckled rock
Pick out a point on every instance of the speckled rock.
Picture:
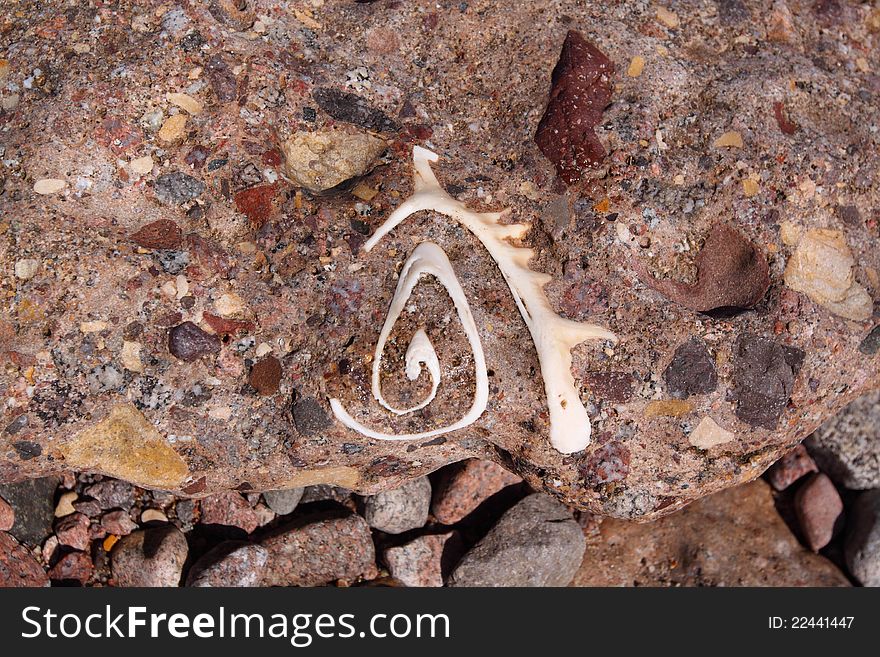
(150, 557)
(73, 531)
(848, 446)
(316, 551)
(420, 562)
(734, 538)
(711, 132)
(18, 568)
(536, 543)
(862, 547)
(399, 509)
(229, 509)
(462, 487)
(73, 566)
(790, 468)
(233, 563)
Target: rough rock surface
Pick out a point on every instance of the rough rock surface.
(283, 502)
(862, 548)
(464, 486)
(767, 126)
(18, 568)
(150, 557)
(536, 543)
(399, 509)
(819, 510)
(734, 538)
(847, 447)
(421, 561)
(33, 508)
(312, 552)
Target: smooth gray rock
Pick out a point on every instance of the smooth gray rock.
(862, 547)
(846, 447)
(536, 543)
(283, 502)
(400, 509)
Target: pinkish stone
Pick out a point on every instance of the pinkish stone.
(819, 511)
(73, 531)
(419, 562)
(75, 566)
(464, 486)
(18, 568)
(118, 522)
(7, 516)
(320, 552)
(790, 468)
(229, 509)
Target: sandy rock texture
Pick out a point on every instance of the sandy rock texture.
(139, 297)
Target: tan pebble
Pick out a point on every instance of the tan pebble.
(26, 268)
(153, 515)
(9, 102)
(130, 356)
(174, 129)
(49, 186)
(636, 65)
(708, 434)
(263, 349)
(668, 408)
(196, 73)
(169, 289)
(142, 165)
(81, 48)
(730, 139)
(92, 327)
(678, 180)
(4, 69)
(750, 187)
(863, 65)
(182, 286)
(229, 305)
(65, 504)
(221, 413)
(364, 192)
(185, 102)
(667, 17)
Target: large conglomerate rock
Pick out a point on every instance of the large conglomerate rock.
(759, 124)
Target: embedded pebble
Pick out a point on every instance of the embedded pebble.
(49, 186)
(188, 342)
(26, 268)
(185, 102)
(708, 434)
(173, 129)
(65, 504)
(399, 509)
(141, 165)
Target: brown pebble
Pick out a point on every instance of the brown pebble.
(161, 234)
(266, 375)
(188, 342)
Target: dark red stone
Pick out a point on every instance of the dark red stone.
(257, 203)
(223, 326)
(580, 90)
(731, 273)
(265, 375)
(188, 342)
(610, 386)
(161, 234)
(74, 566)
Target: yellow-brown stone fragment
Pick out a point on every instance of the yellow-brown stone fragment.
(126, 446)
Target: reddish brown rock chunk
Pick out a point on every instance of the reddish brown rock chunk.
(782, 119)
(223, 326)
(73, 531)
(75, 566)
(265, 375)
(610, 386)
(188, 342)
(161, 234)
(580, 90)
(790, 468)
(731, 273)
(462, 487)
(320, 552)
(732, 538)
(819, 511)
(118, 522)
(18, 568)
(229, 509)
(605, 464)
(257, 203)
